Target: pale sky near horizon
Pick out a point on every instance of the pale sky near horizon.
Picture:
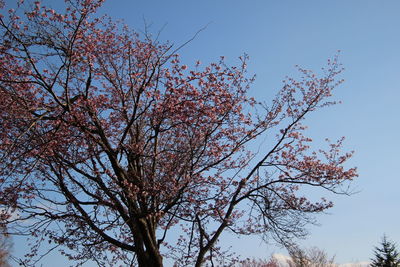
(278, 35)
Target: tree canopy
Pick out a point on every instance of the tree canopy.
(109, 143)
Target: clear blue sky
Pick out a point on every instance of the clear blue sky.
(279, 34)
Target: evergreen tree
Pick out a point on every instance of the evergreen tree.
(386, 255)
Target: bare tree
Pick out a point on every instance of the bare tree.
(313, 257)
(272, 262)
(5, 249)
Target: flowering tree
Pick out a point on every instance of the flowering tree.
(109, 143)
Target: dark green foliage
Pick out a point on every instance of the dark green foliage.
(386, 255)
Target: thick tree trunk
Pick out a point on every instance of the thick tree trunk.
(200, 258)
(147, 251)
(149, 260)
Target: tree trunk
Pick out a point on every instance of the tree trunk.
(147, 259)
(200, 258)
(147, 251)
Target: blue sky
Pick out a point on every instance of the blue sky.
(280, 34)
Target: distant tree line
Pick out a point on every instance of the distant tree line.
(385, 255)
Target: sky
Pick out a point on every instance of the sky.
(279, 34)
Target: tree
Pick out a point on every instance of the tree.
(109, 143)
(272, 262)
(4, 251)
(313, 257)
(386, 255)
(5, 248)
